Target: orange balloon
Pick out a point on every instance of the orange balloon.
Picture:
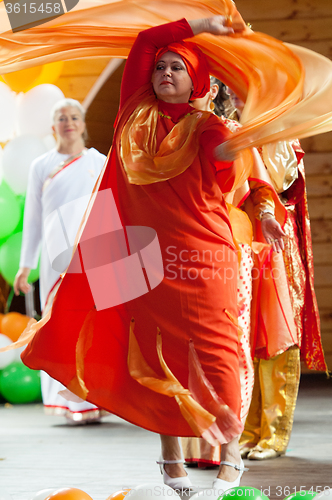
(13, 324)
(118, 495)
(22, 80)
(68, 494)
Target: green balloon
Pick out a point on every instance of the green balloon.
(2, 399)
(21, 201)
(304, 495)
(1, 243)
(10, 252)
(10, 210)
(244, 493)
(19, 384)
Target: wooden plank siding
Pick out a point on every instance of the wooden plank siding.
(256, 10)
(308, 23)
(102, 112)
(76, 80)
(77, 77)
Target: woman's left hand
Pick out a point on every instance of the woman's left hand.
(215, 25)
(273, 233)
(218, 25)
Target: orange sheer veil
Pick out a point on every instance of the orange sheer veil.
(287, 89)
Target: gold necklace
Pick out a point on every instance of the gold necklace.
(160, 113)
(164, 116)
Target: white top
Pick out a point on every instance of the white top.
(47, 221)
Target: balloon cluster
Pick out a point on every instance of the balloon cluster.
(18, 384)
(156, 491)
(25, 134)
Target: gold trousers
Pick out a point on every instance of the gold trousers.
(270, 419)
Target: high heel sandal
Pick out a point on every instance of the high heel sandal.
(222, 485)
(177, 483)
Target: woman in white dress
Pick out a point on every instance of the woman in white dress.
(59, 188)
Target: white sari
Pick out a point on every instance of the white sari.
(55, 203)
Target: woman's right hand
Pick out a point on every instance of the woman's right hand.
(21, 281)
(272, 232)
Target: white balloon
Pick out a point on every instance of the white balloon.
(8, 112)
(43, 494)
(5, 357)
(324, 495)
(152, 491)
(1, 169)
(34, 109)
(16, 160)
(49, 142)
(17, 353)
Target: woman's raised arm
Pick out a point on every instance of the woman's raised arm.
(140, 62)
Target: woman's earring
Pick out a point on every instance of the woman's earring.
(212, 106)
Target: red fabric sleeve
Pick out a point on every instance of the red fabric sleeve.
(225, 179)
(209, 141)
(140, 62)
(212, 136)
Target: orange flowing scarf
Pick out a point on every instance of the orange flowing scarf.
(142, 162)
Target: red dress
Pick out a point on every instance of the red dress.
(196, 299)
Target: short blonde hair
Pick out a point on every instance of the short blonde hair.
(64, 103)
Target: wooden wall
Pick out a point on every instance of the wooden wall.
(76, 81)
(102, 113)
(302, 22)
(78, 77)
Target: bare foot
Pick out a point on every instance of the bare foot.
(228, 473)
(175, 470)
(229, 453)
(170, 450)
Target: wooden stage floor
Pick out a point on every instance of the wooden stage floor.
(39, 452)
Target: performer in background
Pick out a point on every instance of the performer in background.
(279, 339)
(63, 177)
(198, 452)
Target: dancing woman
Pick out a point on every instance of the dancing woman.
(165, 174)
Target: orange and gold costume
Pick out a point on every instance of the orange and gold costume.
(277, 354)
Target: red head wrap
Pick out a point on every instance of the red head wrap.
(196, 64)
